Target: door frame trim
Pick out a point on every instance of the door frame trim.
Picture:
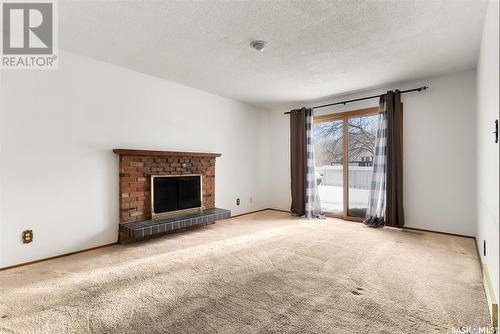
(344, 117)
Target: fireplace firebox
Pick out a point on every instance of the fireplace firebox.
(173, 194)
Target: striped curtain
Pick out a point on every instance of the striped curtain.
(375, 214)
(312, 201)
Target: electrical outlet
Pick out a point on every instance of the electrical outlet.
(484, 247)
(27, 236)
(237, 201)
(251, 199)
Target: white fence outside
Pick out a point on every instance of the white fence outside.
(359, 177)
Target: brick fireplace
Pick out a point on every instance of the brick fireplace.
(136, 168)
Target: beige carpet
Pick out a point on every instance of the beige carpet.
(260, 273)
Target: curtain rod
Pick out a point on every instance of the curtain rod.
(366, 98)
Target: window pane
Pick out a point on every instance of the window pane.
(328, 139)
(361, 147)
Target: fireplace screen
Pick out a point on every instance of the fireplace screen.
(171, 193)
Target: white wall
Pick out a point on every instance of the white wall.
(487, 150)
(60, 177)
(439, 152)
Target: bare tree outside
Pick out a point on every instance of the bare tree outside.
(362, 135)
(328, 136)
(328, 143)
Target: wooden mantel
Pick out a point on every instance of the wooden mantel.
(126, 151)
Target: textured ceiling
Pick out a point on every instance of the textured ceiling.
(316, 48)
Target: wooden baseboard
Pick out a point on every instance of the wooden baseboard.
(56, 257)
(252, 212)
(445, 233)
(279, 210)
(246, 213)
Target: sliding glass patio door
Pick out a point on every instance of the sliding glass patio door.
(344, 150)
(362, 133)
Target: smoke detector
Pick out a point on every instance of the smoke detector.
(258, 45)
